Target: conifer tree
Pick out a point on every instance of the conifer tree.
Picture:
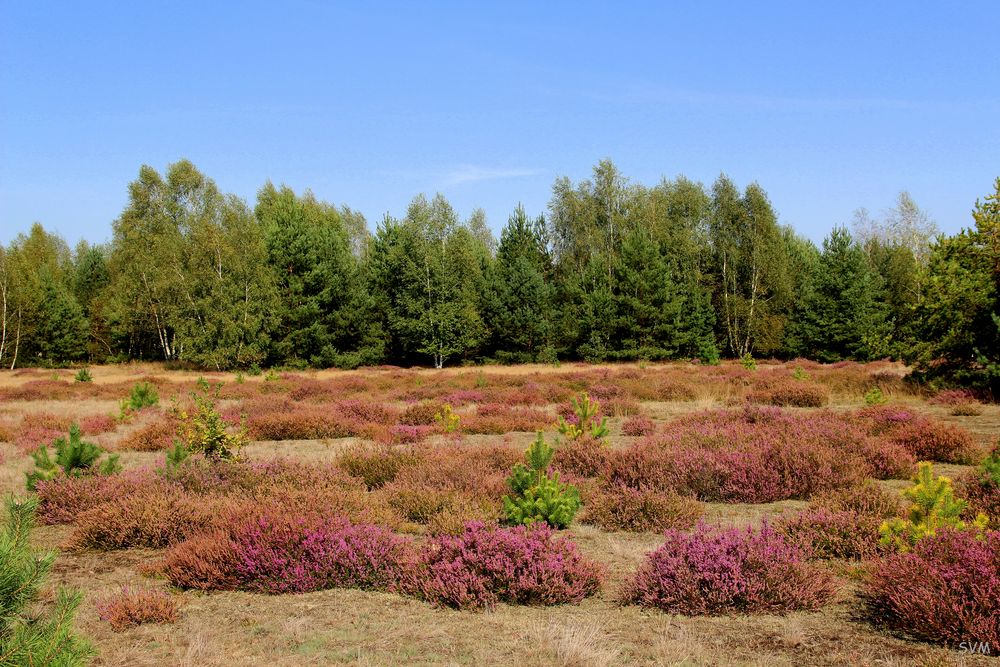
(29, 636)
(519, 296)
(841, 316)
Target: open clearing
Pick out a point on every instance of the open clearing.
(375, 628)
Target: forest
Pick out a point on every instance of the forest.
(614, 270)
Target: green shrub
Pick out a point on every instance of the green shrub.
(143, 395)
(203, 430)
(26, 636)
(586, 412)
(74, 457)
(447, 419)
(83, 375)
(934, 506)
(537, 494)
(254, 370)
(990, 467)
(748, 362)
(874, 396)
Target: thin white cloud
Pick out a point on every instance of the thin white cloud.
(474, 174)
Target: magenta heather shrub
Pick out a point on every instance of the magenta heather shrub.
(982, 493)
(718, 571)
(521, 565)
(946, 590)
(280, 554)
(754, 455)
(97, 424)
(638, 425)
(924, 438)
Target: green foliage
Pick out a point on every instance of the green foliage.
(615, 271)
(957, 326)
(447, 420)
(800, 374)
(587, 423)
(990, 467)
(538, 495)
(841, 315)
(177, 454)
(74, 457)
(427, 275)
(933, 506)
(84, 375)
(748, 362)
(203, 430)
(874, 396)
(143, 395)
(519, 298)
(325, 311)
(29, 636)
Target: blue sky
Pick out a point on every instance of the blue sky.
(830, 106)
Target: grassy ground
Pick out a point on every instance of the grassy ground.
(348, 626)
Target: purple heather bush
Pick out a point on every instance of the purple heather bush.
(947, 589)
(735, 570)
(486, 565)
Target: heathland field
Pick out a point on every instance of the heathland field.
(722, 514)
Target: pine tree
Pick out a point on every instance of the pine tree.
(538, 495)
(957, 334)
(61, 330)
(519, 297)
(426, 273)
(325, 314)
(26, 636)
(841, 316)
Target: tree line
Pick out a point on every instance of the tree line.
(615, 271)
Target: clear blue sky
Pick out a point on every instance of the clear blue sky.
(830, 106)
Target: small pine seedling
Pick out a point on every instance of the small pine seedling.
(74, 457)
(874, 396)
(586, 412)
(447, 419)
(933, 506)
(538, 495)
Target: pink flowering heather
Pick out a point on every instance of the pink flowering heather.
(281, 554)
(710, 571)
(755, 455)
(638, 425)
(946, 590)
(924, 438)
(487, 564)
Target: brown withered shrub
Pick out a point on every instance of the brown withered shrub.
(130, 607)
(639, 510)
(378, 466)
(584, 456)
(206, 561)
(154, 437)
(420, 414)
(786, 391)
